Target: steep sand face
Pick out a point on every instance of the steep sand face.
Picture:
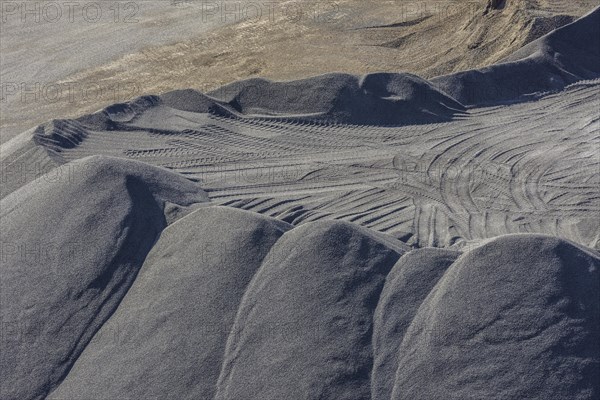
(196, 274)
(406, 287)
(327, 310)
(317, 289)
(373, 99)
(70, 250)
(515, 318)
(564, 56)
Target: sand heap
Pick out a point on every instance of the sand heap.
(229, 304)
(281, 246)
(72, 245)
(375, 99)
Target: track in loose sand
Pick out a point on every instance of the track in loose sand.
(527, 167)
(285, 240)
(510, 148)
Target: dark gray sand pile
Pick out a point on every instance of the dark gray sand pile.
(406, 286)
(71, 247)
(304, 326)
(174, 342)
(229, 304)
(338, 237)
(375, 99)
(517, 318)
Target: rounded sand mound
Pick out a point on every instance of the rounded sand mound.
(326, 310)
(406, 286)
(304, 326)
(517, 318)
(196, 274)
(72, 244)
(378, 99)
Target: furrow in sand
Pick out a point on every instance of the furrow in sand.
(489, 159)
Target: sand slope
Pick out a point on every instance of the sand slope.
(317, 290)
(406, 287)
(327, 309)
(515, 318)
(196, 274)
(70, 251)
(524, 167)
(374, 99)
